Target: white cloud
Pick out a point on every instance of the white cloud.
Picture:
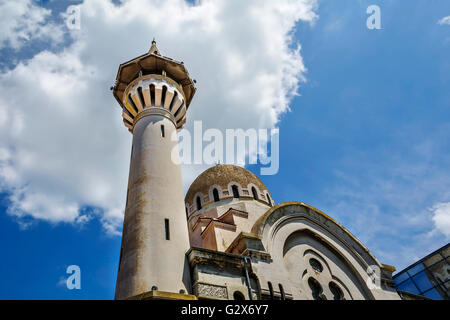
(445, 20)
(22, 21)
(63, 144)
(441, 218)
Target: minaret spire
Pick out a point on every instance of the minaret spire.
(153, 48)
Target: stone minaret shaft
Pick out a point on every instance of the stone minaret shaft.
(154, 93)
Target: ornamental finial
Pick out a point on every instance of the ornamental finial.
(153, 48)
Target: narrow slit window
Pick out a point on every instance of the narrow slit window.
(215, 195)
(125, 110)
(173, 101)
(163, 96)
(270, 290)
(130, 101)
(268, 199)
(127, 122)
(179, 110)
(235, 191)
(163, 134)
(255, 194)
(199, 203)
(141, 97)
(166, 223)
(152, 95)
(283, 295)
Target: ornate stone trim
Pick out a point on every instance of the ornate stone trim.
(211, 290)
(154, 111)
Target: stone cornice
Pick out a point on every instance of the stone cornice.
(154, 112)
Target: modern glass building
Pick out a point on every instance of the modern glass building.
(428, 277)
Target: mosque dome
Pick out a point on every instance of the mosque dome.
(225, 181)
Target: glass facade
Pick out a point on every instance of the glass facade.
(429, 277)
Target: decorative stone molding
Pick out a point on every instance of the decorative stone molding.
(152, 112)
(211, 290)
(214, 258)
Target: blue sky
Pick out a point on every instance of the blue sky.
(366, 140)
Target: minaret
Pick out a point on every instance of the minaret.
(154, 92)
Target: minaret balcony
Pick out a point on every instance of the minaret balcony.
(153, 91)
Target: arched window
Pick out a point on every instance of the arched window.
(235, 191)
(268, 199)
(215, 195)
(187, 213)
(316, 265)
(336, 291)
(316, 289)
(237, 295)
(199, 203)
(270, 289)
(255, 194)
